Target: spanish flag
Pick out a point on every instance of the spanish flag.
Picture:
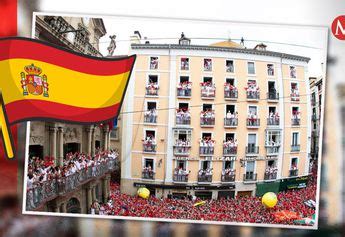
(40, 81)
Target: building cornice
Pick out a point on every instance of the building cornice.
(221, 49)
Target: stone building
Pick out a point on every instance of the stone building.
(55, 139)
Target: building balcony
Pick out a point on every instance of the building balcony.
(151, 91)
(207, 122)
(272, 149)
(205, 178)
(42, 192)
(182, 120)
(295, 148)
(149, 148)
(150, 118)
(253, 123)
(184, 93)
(253, 95)
(252, 149)
(295, 121)
(180, 178)
(273, 121)
(230, 122)
(272, 97)
(148, 174)
(294, 97)
(249, 177)
(181, 150)
(270, 175)
(314, 117)
(228, 177)
(230, 94)
(206, 150)
(293, 172)
(208, 93)
(229, 150)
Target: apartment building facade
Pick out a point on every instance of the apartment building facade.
(213, 121)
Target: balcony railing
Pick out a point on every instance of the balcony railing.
(151, 91)
(182, 150)
(270, 176)
(228, 177)
(184, 92)
(182, 120)
(295, 148)
(208, 93)
(149, 148)
(314, 117)
(272, 149)
(251, 122)
(294, 97)
(252, 149)
(148, 174)
(206, 150)
(48, 190)
(230, 122)
(273, 121)
(180, 178)
(230, 150)
(295, 122)
(150, 118)
(249, 176)
(273, 96)
(205, 121)
(205, 178)
(231, 94)
(293, 173)
(253, 95)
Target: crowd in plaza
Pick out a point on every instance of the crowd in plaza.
(238, 209)
(45, 169)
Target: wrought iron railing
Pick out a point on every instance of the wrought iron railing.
(230, 94)
(228, 177)
(270, 176)
(205, 178)
(42, 192)
(180, 178)
(230, 122)
(184, 92)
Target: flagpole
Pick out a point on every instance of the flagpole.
(4, 127)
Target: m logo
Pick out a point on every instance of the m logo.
(338, 27)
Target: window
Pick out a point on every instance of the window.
(207, 64)
(151, 105)
(153, 63)
(271, 163)
(272, 138)
(207, 107)
(149, 163)
(272, 87)
(230, 81)
(294, 162)
(229, 66)
(295, 141)
(272, 110)
(251, 68)
(205, 164)
(153, 79)
(181, 164)
(185, 64)
(252, 110)
(292, 72)
(183, 106)
(229, 164)
(251, 139)
(184, 79)
(150, 134)
(250, 166)
(270, 69)
(229, 136)
(230, 108)
(207, 80)
(114, 134)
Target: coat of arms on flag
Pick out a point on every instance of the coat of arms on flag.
(33, 82)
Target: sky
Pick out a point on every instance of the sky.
(300, 40)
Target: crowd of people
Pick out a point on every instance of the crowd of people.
(151, 116)
(182, 145)
(207, 145)
(231, 118)
(41, 170)
(252, 118)
(253, 90)
(273, 118)
(183, 116)
(152, 88)
(230, 146)
(208, 89)
(207, 117)
(149, 143)
(230, 91)
(184, 88)
(239, 209)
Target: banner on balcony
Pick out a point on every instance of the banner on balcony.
(40, 81)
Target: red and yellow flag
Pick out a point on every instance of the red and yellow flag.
(40, 81)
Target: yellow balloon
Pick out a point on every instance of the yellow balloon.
(143, 193)
(269, 200)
